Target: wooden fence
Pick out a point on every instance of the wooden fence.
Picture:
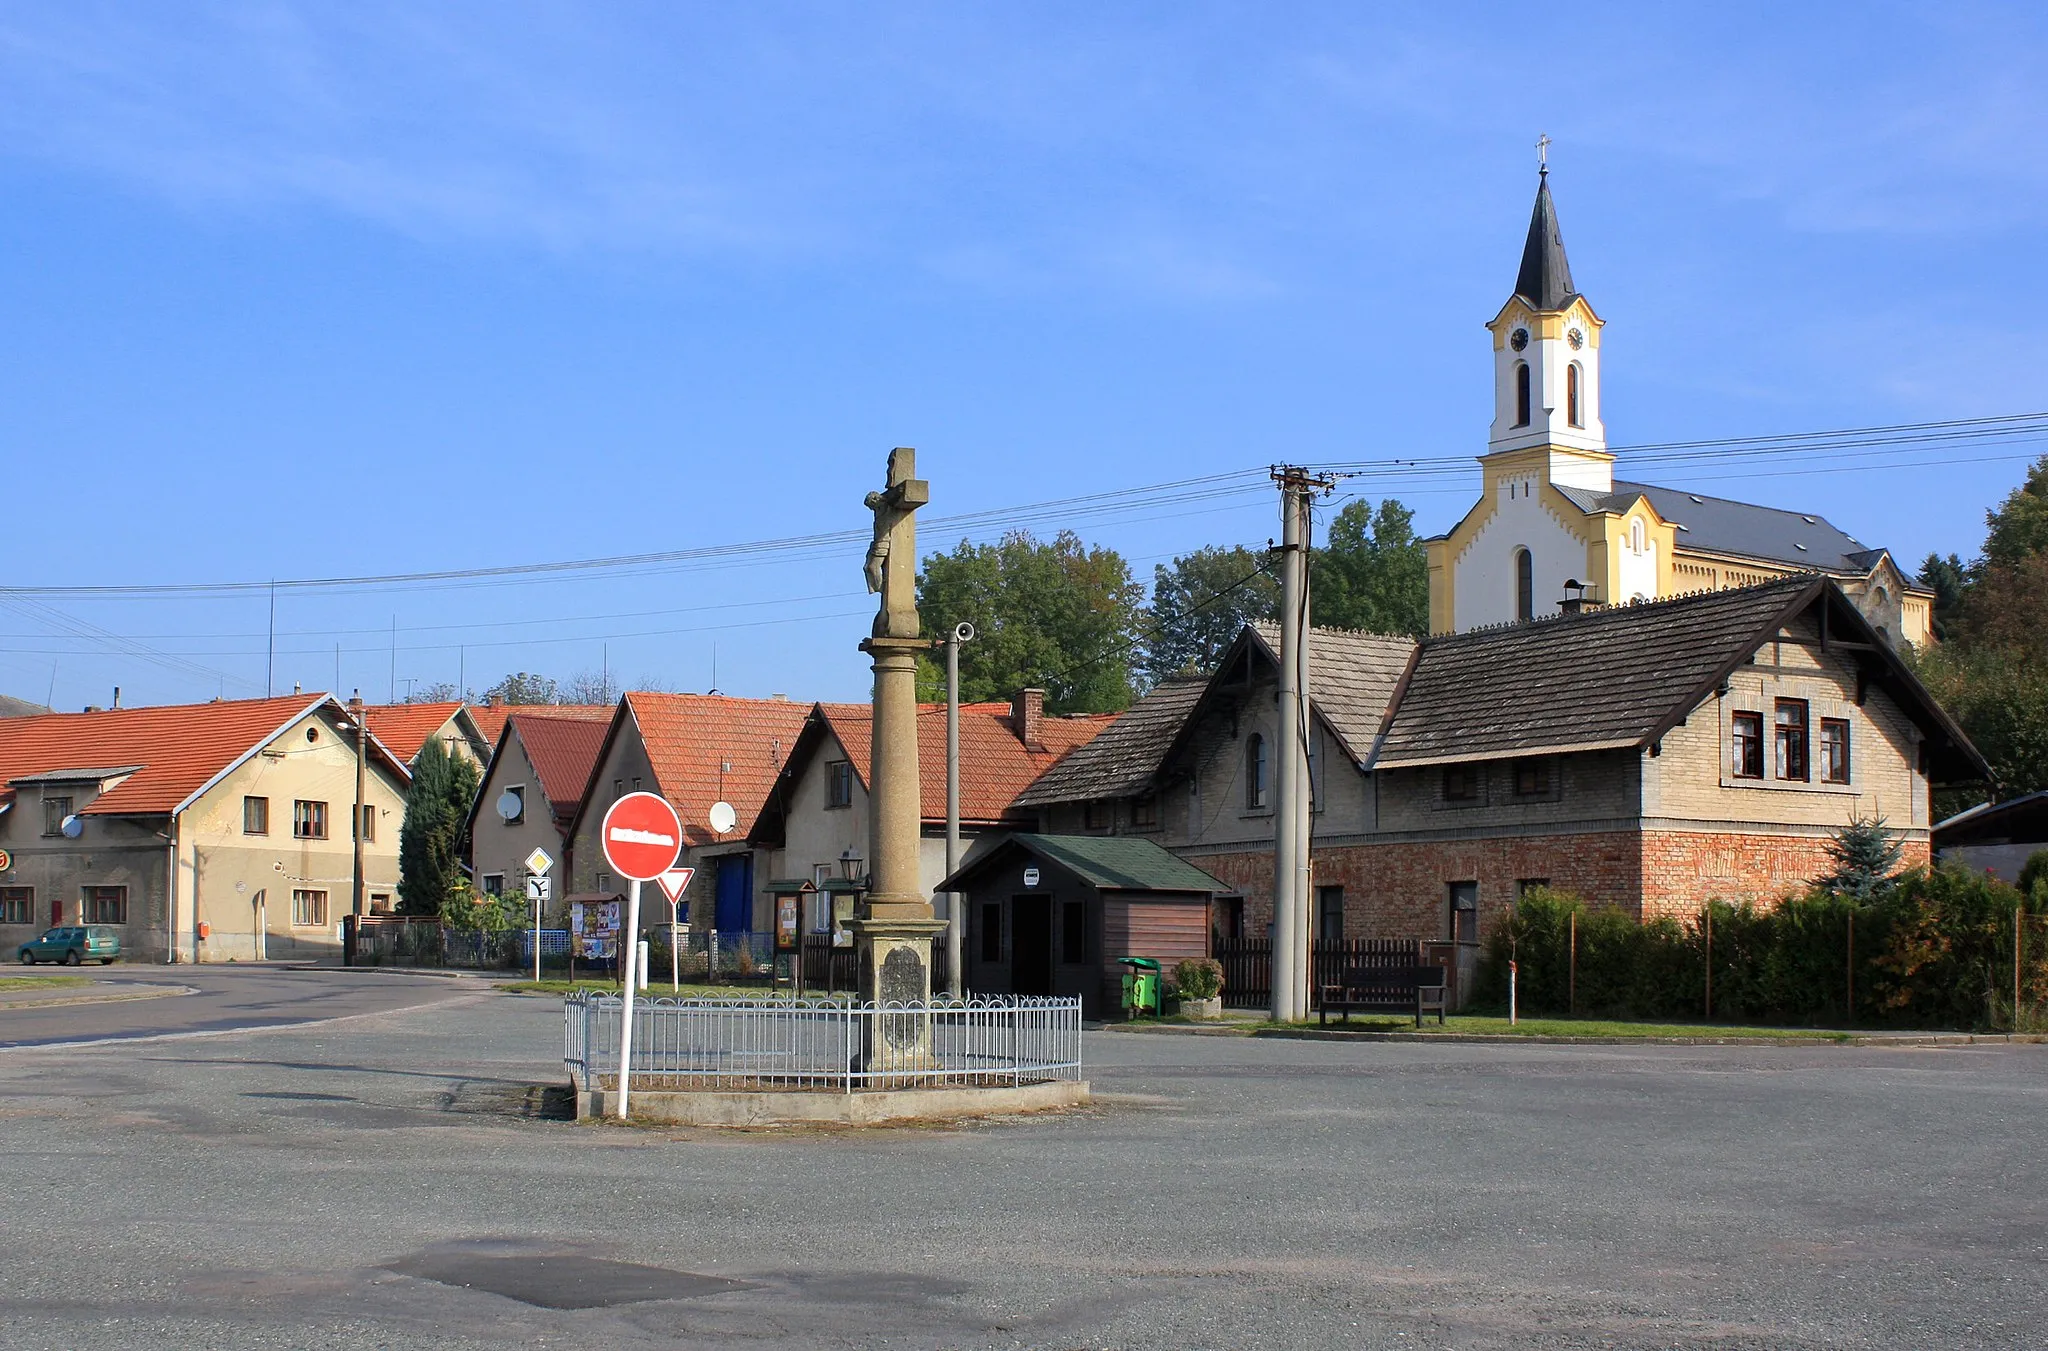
(1248, 965)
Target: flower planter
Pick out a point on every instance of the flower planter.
(1202, 1010)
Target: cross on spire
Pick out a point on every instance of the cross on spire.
(1542, 155)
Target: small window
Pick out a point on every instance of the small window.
(1572, 411)
(1638, 539)
(1463, 926)
(104, 905)
(1525, 885)
(992, 931)
(1532, 778)
(604, 883)
(309, 909)
(1461, 783)
(380, 902)
(618, 787)
(517, 792)
(309, 820)
(55, 809)
(1255, 773)
(1791, 741)
(839, 784)
(1330, 915)
(1097, 814)
(1521, 393)
(255, 816)
(1834, 750)
(1145, 812)
(369, 820)
(1747, 761)
(1226, 918)
(494, 884)
(1074, 932)
(17, 905)
(1525, 585)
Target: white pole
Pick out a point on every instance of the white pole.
(629, 944)
(956, 983)
(536, 936)
(675, 960)
(1511, 993)
(1286, 915)
(641, 955)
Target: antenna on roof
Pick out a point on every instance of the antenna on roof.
(714, 668)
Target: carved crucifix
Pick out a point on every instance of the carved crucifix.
(892, 557)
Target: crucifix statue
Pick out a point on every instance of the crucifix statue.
(892, 557)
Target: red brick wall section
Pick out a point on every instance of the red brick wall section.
(1683, 870)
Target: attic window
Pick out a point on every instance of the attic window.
(1697, 498)
(312, 734)
(1809, 520)
(1800, 547)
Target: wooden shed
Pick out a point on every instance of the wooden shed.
(1051, 914)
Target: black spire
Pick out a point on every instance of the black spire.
(1545, 280)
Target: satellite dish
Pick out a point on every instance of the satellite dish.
(72, 827)
(510, 805)
(723, 817)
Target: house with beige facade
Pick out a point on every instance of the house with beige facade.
(203, 832)
(531, 789)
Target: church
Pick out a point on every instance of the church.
(1554, 529)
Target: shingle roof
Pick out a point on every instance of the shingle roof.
(11, 707)
(1122, 759)
(404, 728)
(1352, 677)
(562, 752)
(689, 737)
(179, 747)
(1717, 525)
(1114, 862)
(1604, 678)
(490, 718)
(995, 767)
(1545, 278)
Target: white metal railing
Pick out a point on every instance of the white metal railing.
(730, 1045)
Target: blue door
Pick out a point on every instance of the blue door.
(736, 893)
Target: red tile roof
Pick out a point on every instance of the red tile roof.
(404, 728)
(490, 718)
(994, 765)
(690, 736)
(180, 747)
(562, 751)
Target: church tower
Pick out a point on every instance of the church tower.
(1546, 363)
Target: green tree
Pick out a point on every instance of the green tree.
(435, 806)
(1201, 603)
(1055, 615)
(1947, 578)
(1866, 855)
(520, 687)
(1373, 574)
(2019, 525)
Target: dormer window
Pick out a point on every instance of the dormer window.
(1573, 402)
(1521, 393)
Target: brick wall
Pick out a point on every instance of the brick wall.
(1683, 870)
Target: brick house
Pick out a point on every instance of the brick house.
(1651, 756)
(817, 808)
(203, 832)
(694, 750)
(540, 767)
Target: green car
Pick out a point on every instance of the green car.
(73, 945)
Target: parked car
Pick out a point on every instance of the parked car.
(73, 945)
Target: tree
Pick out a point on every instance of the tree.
(2019, 525)
(591, 687)
(1059, 616)
(1947, 578)
(1866, 856)
(1373, 574)
(522, 688)
(1201, 603)
(435, 807)
(440, 692)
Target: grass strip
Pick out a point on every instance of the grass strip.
(41, 982)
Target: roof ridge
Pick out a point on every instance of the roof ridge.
(1605, 613)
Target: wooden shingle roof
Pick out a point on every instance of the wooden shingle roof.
(1123, 758)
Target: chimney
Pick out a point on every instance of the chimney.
(117, 696)
(1027, 714)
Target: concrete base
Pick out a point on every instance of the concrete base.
(842, 1109)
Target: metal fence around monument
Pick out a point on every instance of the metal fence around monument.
(823, 1045)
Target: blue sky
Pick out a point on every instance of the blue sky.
(316, 290)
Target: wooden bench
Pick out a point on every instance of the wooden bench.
(1387, 989)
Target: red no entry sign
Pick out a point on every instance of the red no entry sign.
(642, 836)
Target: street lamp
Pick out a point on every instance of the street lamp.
(849, 864)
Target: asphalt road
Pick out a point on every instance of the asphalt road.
(380, 1182)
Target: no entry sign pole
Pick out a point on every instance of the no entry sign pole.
(642, 836)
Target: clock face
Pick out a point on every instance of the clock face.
(1519, 339)
(1576, 339)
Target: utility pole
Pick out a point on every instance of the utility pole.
(357, 712)
(956, 979)
(1292, 975)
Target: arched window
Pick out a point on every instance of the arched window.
(1636, 541)
(1572, 410)
(1525, 585)
(1521, 393)
(1255, 772)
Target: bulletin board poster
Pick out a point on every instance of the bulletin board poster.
(786, 911)
(594, 929)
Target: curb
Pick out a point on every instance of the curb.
(1510, 1039)
(117, 997)
(427, 972)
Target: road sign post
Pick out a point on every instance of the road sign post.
(642, 837)
(674, 883)
(537, 865)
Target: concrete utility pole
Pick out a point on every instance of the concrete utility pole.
(362, 721)
(1292, 974)
(956, 978)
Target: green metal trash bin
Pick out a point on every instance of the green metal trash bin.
(1141, 985)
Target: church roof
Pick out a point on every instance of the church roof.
(1545, 280)
(1717, 525)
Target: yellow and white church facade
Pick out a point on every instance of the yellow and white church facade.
(1554, 527)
